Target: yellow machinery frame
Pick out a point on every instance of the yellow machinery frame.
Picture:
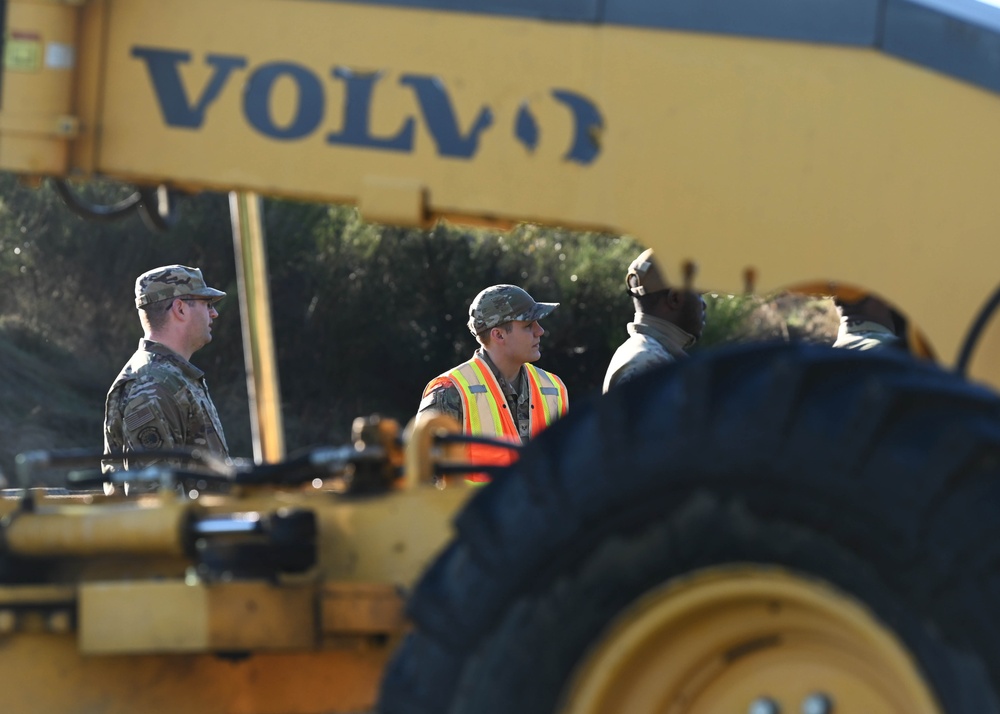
(804, 160)
(809, 161)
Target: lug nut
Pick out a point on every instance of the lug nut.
(817, 704)
(764, 705)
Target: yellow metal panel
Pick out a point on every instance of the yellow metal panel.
(371, 608)
(46, 673)
(386, 538)
(37, 594)
(389, 539)
(261, 616)
(395, 201)
(172, 616)
(40, 57)
(806, 161)
(143, 616)
(89, 82)
(320, 37)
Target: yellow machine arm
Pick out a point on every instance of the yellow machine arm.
(852, 142)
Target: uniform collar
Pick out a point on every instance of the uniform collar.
(667, 333)
(507, 387)
(158, 348)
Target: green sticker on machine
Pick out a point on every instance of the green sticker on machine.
(23, 53)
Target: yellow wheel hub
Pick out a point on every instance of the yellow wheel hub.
(745, 640)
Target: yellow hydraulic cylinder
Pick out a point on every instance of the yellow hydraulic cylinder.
(97, 531)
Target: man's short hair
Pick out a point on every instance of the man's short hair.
(484, 337)
(153, 316)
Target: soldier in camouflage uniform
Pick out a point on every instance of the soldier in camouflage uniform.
(867, 324)
(160, 400)
(498, 393)
(668, 320)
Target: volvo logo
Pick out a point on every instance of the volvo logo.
(185, 107)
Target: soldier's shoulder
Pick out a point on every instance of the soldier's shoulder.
(443, 396)
(158, 369)
(643, 361)
(650, 354)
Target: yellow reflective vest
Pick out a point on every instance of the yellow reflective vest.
(485, 411)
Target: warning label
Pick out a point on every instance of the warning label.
(23, 51)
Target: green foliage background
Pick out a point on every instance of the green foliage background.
(364, 315)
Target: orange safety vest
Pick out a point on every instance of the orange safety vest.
(485, 411)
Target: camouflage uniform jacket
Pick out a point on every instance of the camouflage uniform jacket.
(855, 334)
(160, 401)
(652, 341)
(449, 401)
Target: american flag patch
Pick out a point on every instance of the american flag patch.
(140, 416)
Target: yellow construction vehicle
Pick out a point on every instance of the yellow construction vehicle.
(765, 529)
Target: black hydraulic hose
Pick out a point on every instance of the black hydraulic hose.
(27, 463)
(455, 469)
(451, 469)
(97, 212)
(975, 332)
(61, 458)
(317, 463)
(157, 208)
(485, 440)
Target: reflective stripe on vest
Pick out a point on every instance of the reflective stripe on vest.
(549, 393)
(484, 404)
(485, 411)
(487, 414)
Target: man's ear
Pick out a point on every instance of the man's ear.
(497, 334)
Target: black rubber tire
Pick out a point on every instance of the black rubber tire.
(874, 473)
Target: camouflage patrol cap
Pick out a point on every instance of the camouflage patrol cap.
(172, 281)
(502, 303)
(644, 276)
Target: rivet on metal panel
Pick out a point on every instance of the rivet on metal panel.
(67, 126)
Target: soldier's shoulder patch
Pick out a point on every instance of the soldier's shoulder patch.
(150, 438)
(135, 419)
